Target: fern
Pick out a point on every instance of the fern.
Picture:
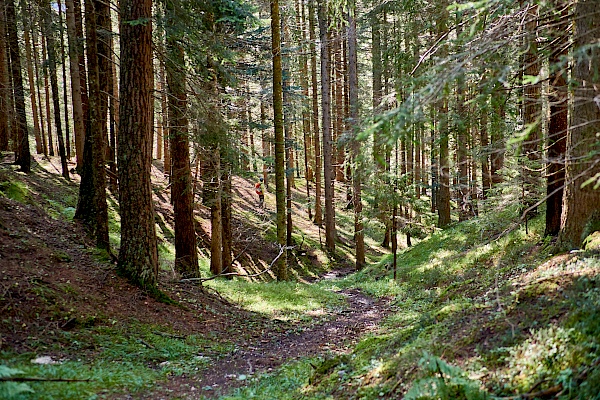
(444, 382)
(10, 390)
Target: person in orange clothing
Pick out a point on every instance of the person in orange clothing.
(260, 193)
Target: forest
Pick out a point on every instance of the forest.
(300, 199)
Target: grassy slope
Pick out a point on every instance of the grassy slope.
(512, 317)
(505, 311)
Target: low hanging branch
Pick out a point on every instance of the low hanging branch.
(282, 249)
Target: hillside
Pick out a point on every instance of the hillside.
(480, 309)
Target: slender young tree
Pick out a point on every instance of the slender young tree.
(281, 265)
(138, 256)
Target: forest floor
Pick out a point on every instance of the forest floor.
(62, 299)
(486, 307)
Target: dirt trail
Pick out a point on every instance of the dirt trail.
(360, 316)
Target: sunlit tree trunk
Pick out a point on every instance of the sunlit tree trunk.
(581, 204)
(78, 117)
(359, 235)
(51, 44)
(315, 111)
(330, 233)
(303, 67)
(138, 256)
(47, 96)
(226, 219)
(557, 129)
(281, 265)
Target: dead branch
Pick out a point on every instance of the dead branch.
(281, 251)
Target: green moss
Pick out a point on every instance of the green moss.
(16, 191)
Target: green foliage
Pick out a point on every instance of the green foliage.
(12, 390)
(443, 381)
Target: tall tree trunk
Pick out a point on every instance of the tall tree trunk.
(47, 96)
(557, 129)
(64, 82)
(486, 177)
(81, 61)
(443, 200)
(22, 154)
(265, 144)
(330, 233)
(532, 108)
(78, 117)
(288, 133)
(216, 217)
(39, 149)
(37, 67)
(164, 123)
(186, 255)
(91, 206)
(359, 235)
(281, 265)
(50, 44)
(226, 219)
(315, 112)
(113, 106)
(581, 204)
(497, 146)
(303, 67)
(4, 82)
(138, 257)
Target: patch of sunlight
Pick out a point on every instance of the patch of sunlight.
(545, 353)
(316, 313)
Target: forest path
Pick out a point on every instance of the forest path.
(272, 348)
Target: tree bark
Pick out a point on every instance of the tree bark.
(216, 217)
(315, 112)
(330, 233)
(4, 82)
(64, 82)
(138, 257)
(47, 96)
(557, 130)
(39, 149)
(50, 45)
(281, 265)
(226, 219)
(186, 254)
(22, 154)
(78, 117)
(443, 198)
(581, 204)
(359, 235)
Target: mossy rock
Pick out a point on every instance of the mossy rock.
(592, 242)
(326, 367)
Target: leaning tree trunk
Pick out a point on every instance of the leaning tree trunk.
(581, 204)
(138, 257)
(22, 154)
